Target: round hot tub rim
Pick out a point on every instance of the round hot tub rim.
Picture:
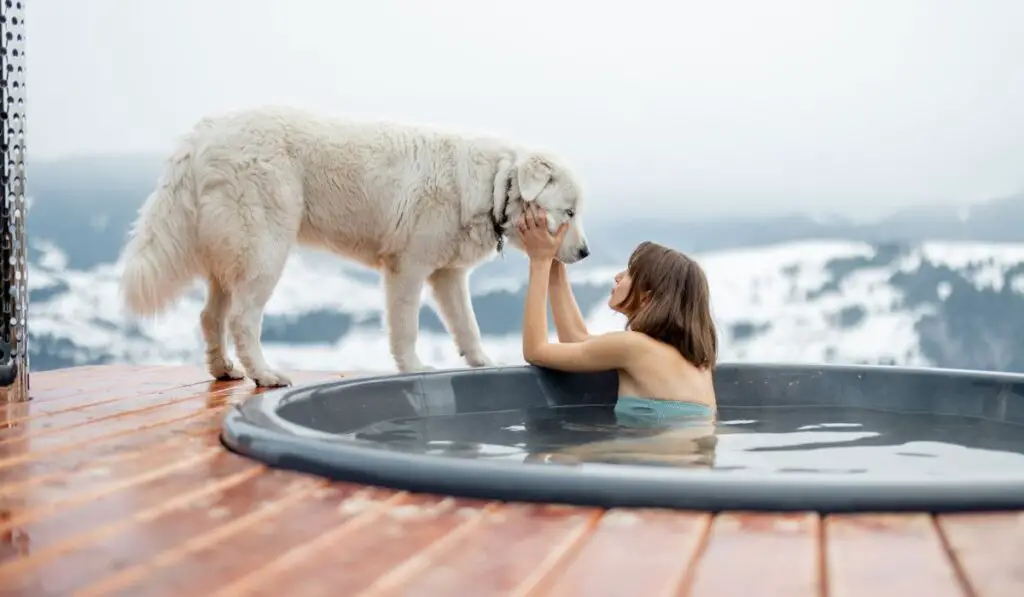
(255, 429)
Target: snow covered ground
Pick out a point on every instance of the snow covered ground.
(766, 301)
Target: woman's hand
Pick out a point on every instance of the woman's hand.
(539, 244)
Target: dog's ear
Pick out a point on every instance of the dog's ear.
(534, 174)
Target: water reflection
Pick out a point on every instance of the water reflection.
(686, 445)
(754, 441)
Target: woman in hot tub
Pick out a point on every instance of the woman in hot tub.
(666, 356)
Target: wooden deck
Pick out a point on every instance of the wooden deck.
(113, 482)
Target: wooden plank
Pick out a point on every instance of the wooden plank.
(156, 420)
(179, 563)
(27, 465)
(68, 548)
(350, 556)
(77, 444)
(650, 551)
(508, 553)
(94, 388)
(107, 410)
(56, 472)
(887, 554)
(93, 498)
(50, 387)
(243, 557)
(47, 403)
(780, 555)
(82, 484)
(198, 408)
(69, 383)
(113, 551)
(989, 550)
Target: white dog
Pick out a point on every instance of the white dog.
(417, 204)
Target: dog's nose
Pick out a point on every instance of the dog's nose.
(583, 252)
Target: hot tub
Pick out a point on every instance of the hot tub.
(825, 438)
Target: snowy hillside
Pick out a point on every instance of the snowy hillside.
(941, 304)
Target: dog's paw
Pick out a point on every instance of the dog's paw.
(270, 379)
(225, 370)
(479, 359)
(412, 365)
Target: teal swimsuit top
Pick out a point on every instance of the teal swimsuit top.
(645, 412)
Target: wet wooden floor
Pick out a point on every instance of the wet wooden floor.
(113, 482)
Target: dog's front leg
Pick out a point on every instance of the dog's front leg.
(451, 291)
(402, 289)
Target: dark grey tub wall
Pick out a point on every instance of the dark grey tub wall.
(338, 407)
(993, 396)
(997, 396)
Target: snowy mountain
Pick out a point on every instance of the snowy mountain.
(950, 304)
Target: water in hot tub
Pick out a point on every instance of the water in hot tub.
(751, 440)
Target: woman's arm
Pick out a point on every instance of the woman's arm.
(597, 353)
(568, 320)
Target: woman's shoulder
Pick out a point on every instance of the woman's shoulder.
(641, 339)
(629, 346)
(627, 338)
(665, 352)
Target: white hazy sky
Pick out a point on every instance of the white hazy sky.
(854, 107)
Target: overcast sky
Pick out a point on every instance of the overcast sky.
(851, 107)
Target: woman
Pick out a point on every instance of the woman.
(666, 355)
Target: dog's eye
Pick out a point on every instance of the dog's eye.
(570, 212)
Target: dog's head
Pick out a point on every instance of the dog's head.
(544, 180)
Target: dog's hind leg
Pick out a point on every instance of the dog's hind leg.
(248, 230)
(451, 292)
(250, 297)
(214, 323)
(403, 286)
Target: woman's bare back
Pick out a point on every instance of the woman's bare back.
(662, 373)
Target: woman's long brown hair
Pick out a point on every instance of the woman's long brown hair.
(670, 301)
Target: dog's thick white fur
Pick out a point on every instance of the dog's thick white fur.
(418, 204)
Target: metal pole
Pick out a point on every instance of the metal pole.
(14, 364)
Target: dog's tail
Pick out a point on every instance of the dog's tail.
(158, 263)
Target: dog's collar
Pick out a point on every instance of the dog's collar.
(499, 216)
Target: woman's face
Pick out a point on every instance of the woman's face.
(620, 291)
